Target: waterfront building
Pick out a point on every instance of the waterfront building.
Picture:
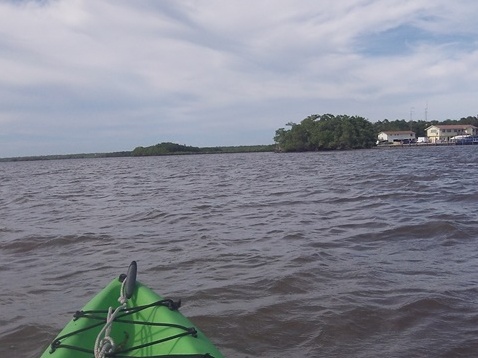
(440, 133)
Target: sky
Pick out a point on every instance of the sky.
(79, 76)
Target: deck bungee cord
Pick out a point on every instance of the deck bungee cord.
(105, 345)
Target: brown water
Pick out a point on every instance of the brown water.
(342, 254)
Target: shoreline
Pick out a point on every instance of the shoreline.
(416, 145)
(129, 153)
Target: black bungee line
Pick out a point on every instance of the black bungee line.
(95, 315)
(173, 306)
(191, 331)
(92, 314)
(205, 355)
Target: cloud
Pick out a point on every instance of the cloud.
(113, 74)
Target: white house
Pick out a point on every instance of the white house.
(396, 136)
(444, 132)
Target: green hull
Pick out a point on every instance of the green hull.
(137, 332)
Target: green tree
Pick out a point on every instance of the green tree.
(326, 132)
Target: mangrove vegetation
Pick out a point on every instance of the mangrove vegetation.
(168, 148)
(326, 132)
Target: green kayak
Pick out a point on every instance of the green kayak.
(127, 319)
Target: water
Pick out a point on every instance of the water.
(340, 254)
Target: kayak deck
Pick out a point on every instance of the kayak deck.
(149, 326)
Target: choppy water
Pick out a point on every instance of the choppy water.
(342, 254)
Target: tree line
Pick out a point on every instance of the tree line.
(68, 156)
(328, 132)
(419, 126)
(167, 148)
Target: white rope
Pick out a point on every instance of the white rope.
(106, 344)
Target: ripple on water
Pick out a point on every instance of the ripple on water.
(338, 254)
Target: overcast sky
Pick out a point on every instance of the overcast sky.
(80, 76)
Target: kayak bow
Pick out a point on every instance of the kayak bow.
(143, 324)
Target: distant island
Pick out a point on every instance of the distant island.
(168, 148)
